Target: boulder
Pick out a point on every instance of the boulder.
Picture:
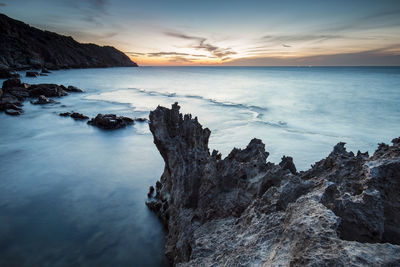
(6, 74)
(10, 83)
(245, 211)
(48, 90)
(42, 100)
(110, 121)
(46, 71)
(141, 120)
(74, 115)
(32, 74)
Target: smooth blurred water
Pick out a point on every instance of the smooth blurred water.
(71, 194)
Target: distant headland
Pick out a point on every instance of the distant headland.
(25, 47)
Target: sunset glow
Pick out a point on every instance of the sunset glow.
(225, 33)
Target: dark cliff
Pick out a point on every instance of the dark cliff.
(23, 46)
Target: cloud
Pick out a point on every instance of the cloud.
(299, 37)
(3, 4)
(165, 54)
(385, 56)
(285, 45)
(203, 45)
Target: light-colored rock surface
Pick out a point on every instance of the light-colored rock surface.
(245, 211)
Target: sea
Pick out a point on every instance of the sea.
(74, 195)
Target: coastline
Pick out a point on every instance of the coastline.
(243, 210)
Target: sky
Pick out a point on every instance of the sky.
(232, 33)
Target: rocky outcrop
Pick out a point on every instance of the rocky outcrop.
(110, 121)
(14, 92)
(245, 211)
(32, 74)
(7, 74)
(25, 47)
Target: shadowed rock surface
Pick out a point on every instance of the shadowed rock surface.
(24, 47)
(13, 93)
(110, 121)
(74, 115)
(245, 211)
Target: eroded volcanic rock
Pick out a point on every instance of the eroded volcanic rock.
(26, 47)
(110, 121)
(245, 211)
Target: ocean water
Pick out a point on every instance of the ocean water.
(71, 194)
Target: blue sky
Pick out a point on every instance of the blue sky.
(227, 32)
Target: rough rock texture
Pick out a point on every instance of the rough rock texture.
(110, 121)
(24, 47)
(74, 115)
(245, 211)
(73, 89)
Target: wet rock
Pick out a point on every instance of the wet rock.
(245, 211)
(42, 100)
(13, 112)
(10, 83)
(141, 120)
(46, 71)
(42, 74)
(110, 121)
(74, 115)
(32, 74)
(73, 89)
(48, 90)
(6, 74)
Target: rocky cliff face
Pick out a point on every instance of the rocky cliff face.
(245, 211)
(23, 46)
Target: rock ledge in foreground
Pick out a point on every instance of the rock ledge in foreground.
(245, 211)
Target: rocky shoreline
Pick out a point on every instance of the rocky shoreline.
(245, 211)
(13, 94)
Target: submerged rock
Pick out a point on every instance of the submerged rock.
(32, 74)
(73, 89)
(245, 211)
(42, 100)
(74, 115)
(110, 121)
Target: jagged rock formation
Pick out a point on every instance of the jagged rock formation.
(24, 47)
(245, 211)
(74, 115)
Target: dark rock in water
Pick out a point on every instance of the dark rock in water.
(42, 74)
(32, 74)
(110, 121)
(10, 83)
(6, 74)
(42, 100)
(48, 90)
(141, 120)
(44, 70)
(13, 112)
(73, 89)
(74, 115)
(151, 191)
(1, 93)
(245, 211)
(26, 47)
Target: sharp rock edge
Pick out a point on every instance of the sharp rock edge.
(245, 211)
